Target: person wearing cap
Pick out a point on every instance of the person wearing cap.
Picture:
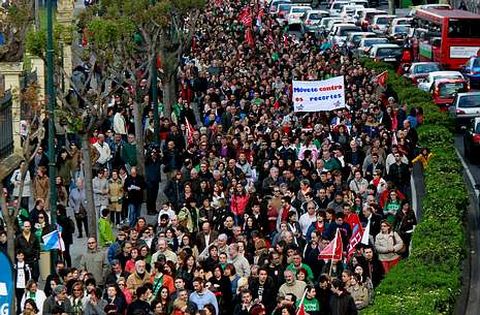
(58, 300)
(389, 246)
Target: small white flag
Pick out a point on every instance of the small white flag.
(366, 234)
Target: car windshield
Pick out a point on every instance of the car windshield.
(401, 29)
(450, 76)
(448, 89)
(469, 100)
(372, 41)
(338, 6)
(315, 16)
(284, 7)
(300, 10)
(425, 68)
(382, 20)
(477, 128)
(345, 31)
(476, 62)
(387, 52)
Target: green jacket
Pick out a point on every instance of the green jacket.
(129, 154)
(106, 236)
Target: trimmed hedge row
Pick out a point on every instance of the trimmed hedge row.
(429, 281)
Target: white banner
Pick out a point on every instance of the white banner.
(318, 96)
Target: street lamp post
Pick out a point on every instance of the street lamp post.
(51, 118)
(154, 86)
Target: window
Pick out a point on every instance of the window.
(426, 68)
(464, 28)
(389, 52)
(374, 41)
(476, 62)
(382, 21)
(449, 89)
(467, 101)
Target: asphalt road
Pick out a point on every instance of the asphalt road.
(471, 291)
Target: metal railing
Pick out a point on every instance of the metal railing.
(6, 127)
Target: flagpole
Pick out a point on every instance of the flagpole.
(334, 250)
(301, 301)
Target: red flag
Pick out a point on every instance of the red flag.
(245, 17)
(276, 105)
(334, 249)
(352, 219)
(301, 309)
(189, 131)
(382, 78)
(354, 240)
(249, 37)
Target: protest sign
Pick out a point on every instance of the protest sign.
(318, 96)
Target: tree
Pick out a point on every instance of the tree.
(15, 20)
(34, 136)
(142, 32)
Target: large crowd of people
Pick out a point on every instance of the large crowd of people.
(254, 192)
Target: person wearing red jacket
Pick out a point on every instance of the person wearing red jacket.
(238, 203)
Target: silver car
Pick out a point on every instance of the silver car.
(465, 106)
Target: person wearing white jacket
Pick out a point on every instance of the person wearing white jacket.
(104, 151)
(33, 292)
(119, 124)
(16, 180)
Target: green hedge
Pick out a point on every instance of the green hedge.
(429, 281)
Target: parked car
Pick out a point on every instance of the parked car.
(364, 3)
(398, 33)
(380, 23)
(336, 7)
(365, 16)
(399, 21)
(444, 91)
(421, 70)
(296, 28)
(353, 38)
(471, 70)
(471, 140)
(283, 10)
(349, 10)
(465, 107)
(312, 19)
(389, 53)
(366, 44)
(275, 5)
(297, 11)
(426, 84)
(340, 32)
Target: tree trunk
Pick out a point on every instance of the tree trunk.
(88, 170)
(10, 223)
(139, 137)
(391, 7)
(169, 94)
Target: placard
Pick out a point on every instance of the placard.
(318, 96)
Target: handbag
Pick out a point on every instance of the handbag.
(404, 247)
(82, 212)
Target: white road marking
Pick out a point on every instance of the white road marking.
(470, 177)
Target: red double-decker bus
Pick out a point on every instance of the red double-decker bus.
(447, 36)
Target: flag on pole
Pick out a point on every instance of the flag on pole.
(189, 131)
(356, 238)
(382, 78)
(366, 234)
(245, 17)
(301, 306)
(249, 37)
(334, 249)
(53, 240)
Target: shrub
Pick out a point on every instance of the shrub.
(429, 281)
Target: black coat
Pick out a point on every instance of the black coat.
(269, 295)
(31, 247)
(134, 196)
(153, 170)
(68, 229)
(343, 304)
(374, 270)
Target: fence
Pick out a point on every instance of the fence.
(6, 128)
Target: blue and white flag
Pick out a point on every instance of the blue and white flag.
(53, 240)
